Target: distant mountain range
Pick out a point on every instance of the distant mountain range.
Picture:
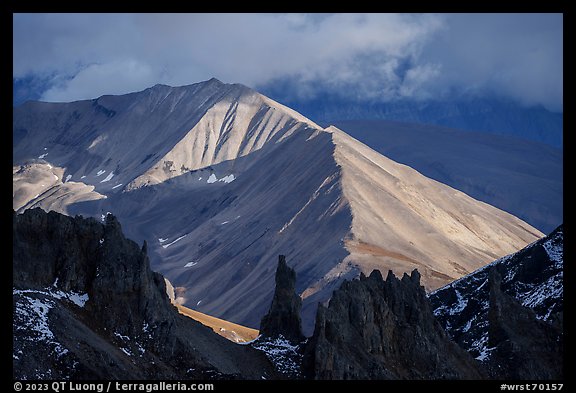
(219, 180)
(486, 114)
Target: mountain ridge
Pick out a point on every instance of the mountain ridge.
(522, 177)
(299, 190)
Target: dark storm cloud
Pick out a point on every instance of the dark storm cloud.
(376, 56)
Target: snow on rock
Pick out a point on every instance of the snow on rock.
(460, 305)
(121, 337)
(228, 179)
(140, 349)
(212, 179)
(127, 351)
(42, 156)
(169, 244)
(32, 309)
(533, 276)
(68, 177)
(78, 299)
(555, 249)
(108, 178)
(285, 356)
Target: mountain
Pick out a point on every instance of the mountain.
(522, 177)
(485, 114)
(511, 309)
(503, 321)
(87, 306)
(219, 180)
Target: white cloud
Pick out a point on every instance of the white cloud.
(100, 79)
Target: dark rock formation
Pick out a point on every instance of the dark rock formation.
(283, 318)
(521, 346)
(376, 329)
(519, 318)
(87, 305)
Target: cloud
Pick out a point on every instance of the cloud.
(517, 55)
(95, 79)
(375, 56)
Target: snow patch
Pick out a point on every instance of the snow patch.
(285, 356)
(190, 264)
(127, 351)
(78, 299)
(555, 252)
(100, 172)
(121, 337)
(31, 314)
(228, 179)
(169, 244)
(108, 178)
(42, 155)
(117, 185)
(212, 179)
(140, 349)
(162, 240)
(68, 177)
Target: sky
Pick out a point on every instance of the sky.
(369, 57)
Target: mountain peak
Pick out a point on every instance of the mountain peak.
(221, 179)
(214, 80)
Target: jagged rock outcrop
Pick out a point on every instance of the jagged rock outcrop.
(522, 346)
(283, 318)
(281, 337)
(518, 318)
(376, 329)
(87, 305)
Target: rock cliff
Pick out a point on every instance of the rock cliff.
(87, 305)
(384, 329)
(283, 319)
(522, 346)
